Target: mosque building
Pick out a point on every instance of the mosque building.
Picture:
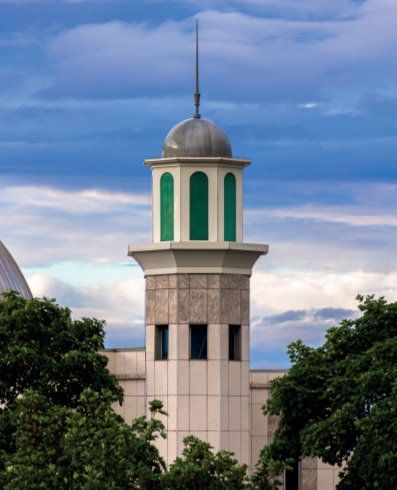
(197, 272)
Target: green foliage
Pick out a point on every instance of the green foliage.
(58, 429)
(267, 471)
(43, 349)
(200, 468)
(339, 401)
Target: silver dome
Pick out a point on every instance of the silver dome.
(196, 137)
(11, 276)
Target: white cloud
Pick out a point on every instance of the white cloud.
(72, 246)
(50, 224)
(119, 303)
(121, 58)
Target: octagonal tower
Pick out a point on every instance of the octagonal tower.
(197, 272)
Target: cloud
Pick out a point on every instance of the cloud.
(92, 225)
(119, 59)
(270, 335)
(120, 303)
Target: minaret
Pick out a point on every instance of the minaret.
(197, 272)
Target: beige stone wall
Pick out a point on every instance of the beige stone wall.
(128, 365)
(313, 474)
(208, 398)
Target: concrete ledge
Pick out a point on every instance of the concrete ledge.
(197, 257)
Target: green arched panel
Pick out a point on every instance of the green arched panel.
(166, 207)
(198, 206)
(229, 210)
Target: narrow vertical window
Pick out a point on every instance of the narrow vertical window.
(198, 341)
(292, 478)
(234, 342)
(161, 343)
(199, 206)
(229, 190)
(166, 207)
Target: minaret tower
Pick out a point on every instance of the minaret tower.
(197, 272)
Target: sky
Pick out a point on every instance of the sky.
(307, 89)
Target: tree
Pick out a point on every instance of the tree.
(339, 401)
(58, 429)
(200, 468)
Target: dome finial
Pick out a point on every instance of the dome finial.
(197, 94)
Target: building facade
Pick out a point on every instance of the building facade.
(197, 271)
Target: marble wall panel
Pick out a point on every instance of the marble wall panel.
(214, 281)
(234, 281)
(141, 363)
(173, 306)
(130, 363)
(198, 413)
(213, 344)
(235, 378)
(224, 413)
(183, 417)
(183, 377)
(183, 306)
(173, 341)
(151, 282)
(172, 377)
(213, 379)
(214, 305)
(150, 306)
(213, 413)
(234, 413)
(198, 378)
(235, 443)
(162, 282)
(245, 344)
(198, 306)
(224, 279)
(245, 413)
(224, 437)
(150, 341)
(230, 306)
(244, 307)
(325, 479)
(183, 341)
(161, 306)
(172, 403)
(183, 281)
(308, 479)
(198, 281)
(172, 281)
(160, 377)
(224, 331)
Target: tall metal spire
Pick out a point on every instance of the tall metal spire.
(197, 93)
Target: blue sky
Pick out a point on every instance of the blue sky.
(306, 89)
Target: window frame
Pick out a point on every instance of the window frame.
(161, 343)
(198, 334)
(234, 344)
